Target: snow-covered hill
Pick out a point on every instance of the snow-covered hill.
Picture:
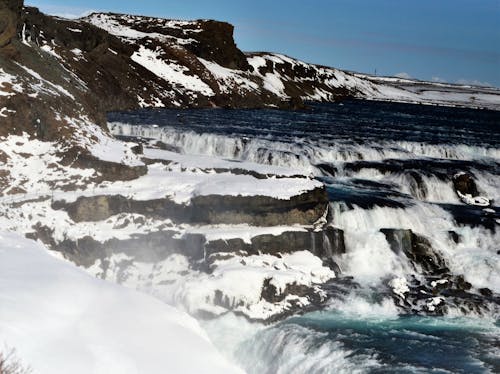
(268, 73)
(61, 320)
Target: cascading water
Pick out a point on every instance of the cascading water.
(387, 167)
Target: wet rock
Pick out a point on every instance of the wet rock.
(466, 189)
(323, 243)
(328, 169)
(462, 284)
(417, 186)
(137, 149)
(303, 209)
(455, 237)
(435, 295)
(465, 184)
(486, 292)
(271, 294)
(417, 248)
(472, 216)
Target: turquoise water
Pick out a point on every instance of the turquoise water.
(335, 342)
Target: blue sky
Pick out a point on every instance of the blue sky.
(448, 40)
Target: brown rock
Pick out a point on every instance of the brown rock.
(10, 13)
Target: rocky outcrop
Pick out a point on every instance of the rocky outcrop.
(417, 248)
(437, 289)
(466, 189)
(215, 42)
(325, 243)
(465, 184)
(304, 209)
(149, 248)
(10, 13)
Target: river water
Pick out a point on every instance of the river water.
(385, 166)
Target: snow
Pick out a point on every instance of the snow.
(413, 91)
(123, 27)
(170, 71)
(107, 148)
(76, 51)
(49, 49)
(399, 286)
(241, 231)
(24, 39)
(111, 25)
(198, 293)
(180, 186)
(8, 84)
(256, 62)
(203, 162)
(433, 302)
(4, 112)
(61, 320)
(35, 166)
(41, 87)
(474, 200)
(439, 282)
(272, 82)
(230, 79)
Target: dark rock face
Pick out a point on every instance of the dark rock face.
(304, 209)
(150, 248)
(216, 43)
(112, 79)
(10, 13)
(417, 248)
(325, 244)
(465, 184)
(108, 171)
(437, 289)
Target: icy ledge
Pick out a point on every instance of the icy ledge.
(61, 320)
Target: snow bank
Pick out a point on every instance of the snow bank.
(240, 280)
(62, 320)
